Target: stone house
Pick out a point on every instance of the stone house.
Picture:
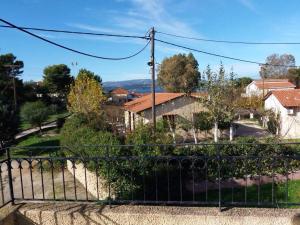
(168, 107)
(120, 95)
(285, 104)
(260, 87)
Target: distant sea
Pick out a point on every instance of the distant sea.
(140, 85)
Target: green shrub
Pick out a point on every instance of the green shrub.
(144, 135)
(84, 141)
(203, 121)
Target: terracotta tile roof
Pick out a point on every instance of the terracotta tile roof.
(288, 98)
(120, 91)
(273, 84)
(145, 102)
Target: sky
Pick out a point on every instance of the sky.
(237, 20)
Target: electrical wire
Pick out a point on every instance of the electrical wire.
(222, 56)
(71, 49)
(76, 32)
(229, 42)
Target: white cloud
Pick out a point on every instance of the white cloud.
(248, 4)
(143, 14)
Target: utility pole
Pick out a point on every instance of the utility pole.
(15, 92)
(152, 64)
(12, 67)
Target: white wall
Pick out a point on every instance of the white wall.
(289, 124)
(252, 89)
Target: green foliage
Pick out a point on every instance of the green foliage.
(179, 73)
(57, 79)
(273, 123)
(86, 142)
(9, 122)
(242, 82)
(90, 74)
(9, 118)
(35, 113)
(294, 76)
(203, 121)
(221, 100)
(86, 96)
(143, 134)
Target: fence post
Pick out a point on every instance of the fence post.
(10, 183)
(108, 173)
(219, 176)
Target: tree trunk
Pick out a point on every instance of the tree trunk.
(172, 130)
(251, 115)
(216, 132)
(40, 126)
(231, 132)
(195, 136)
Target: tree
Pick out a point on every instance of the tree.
(242, 82)
(35, 113)
(86, 96)
(294, 76)
(9, 119)
(90, 74)
(179, 73)
(57, 79)
(203, 122)
(277, 66)
(29, 91)
(220, 100)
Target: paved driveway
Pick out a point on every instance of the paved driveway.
(250, 128)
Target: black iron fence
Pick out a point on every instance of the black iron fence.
(265, 175)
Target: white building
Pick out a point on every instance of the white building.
(286, 104)
(168, 106)
(260, 87)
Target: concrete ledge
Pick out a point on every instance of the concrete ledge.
(91, 214)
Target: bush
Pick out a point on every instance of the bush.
(144, 135)
(203, 121)
(82, 140)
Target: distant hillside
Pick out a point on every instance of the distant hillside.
(139, 85)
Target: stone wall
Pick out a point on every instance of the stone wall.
(91, 179)
(79, 214)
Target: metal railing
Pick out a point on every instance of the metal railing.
(196, 174)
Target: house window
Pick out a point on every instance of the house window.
(169, 120)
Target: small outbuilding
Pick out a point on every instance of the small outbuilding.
(168, 107)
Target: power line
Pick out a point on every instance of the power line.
(76, 32)
(71, 49)
(222, 56)
(230, 42)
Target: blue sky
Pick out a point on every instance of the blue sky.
(248, 20)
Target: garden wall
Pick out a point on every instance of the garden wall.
(91, 179)
(79, 214)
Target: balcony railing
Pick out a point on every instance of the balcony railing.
(195, 175)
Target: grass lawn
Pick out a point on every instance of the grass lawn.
(24, 125)
(238, 194)
(50, 138)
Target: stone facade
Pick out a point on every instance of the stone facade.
(184, 106)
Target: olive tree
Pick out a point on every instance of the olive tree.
(35, 113)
